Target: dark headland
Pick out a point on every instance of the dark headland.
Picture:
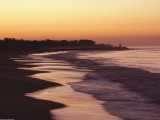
(83, 44)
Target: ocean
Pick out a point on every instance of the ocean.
(146, 58)
(103, 85)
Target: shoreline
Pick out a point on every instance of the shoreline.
(14, 83)
(79, 105)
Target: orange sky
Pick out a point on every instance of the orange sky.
(137, 21)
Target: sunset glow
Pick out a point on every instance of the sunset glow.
(105, 21)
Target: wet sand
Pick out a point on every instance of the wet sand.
(13, 86)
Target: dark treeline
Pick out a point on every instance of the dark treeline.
(21, 44)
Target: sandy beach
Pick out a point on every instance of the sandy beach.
(14, 84)
(33, 86)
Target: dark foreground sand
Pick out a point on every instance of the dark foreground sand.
(14, 84)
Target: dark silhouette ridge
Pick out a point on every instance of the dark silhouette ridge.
(83, 44)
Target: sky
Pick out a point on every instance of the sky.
(136, 22)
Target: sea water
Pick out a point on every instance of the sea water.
(88, 76)
(144, 57)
